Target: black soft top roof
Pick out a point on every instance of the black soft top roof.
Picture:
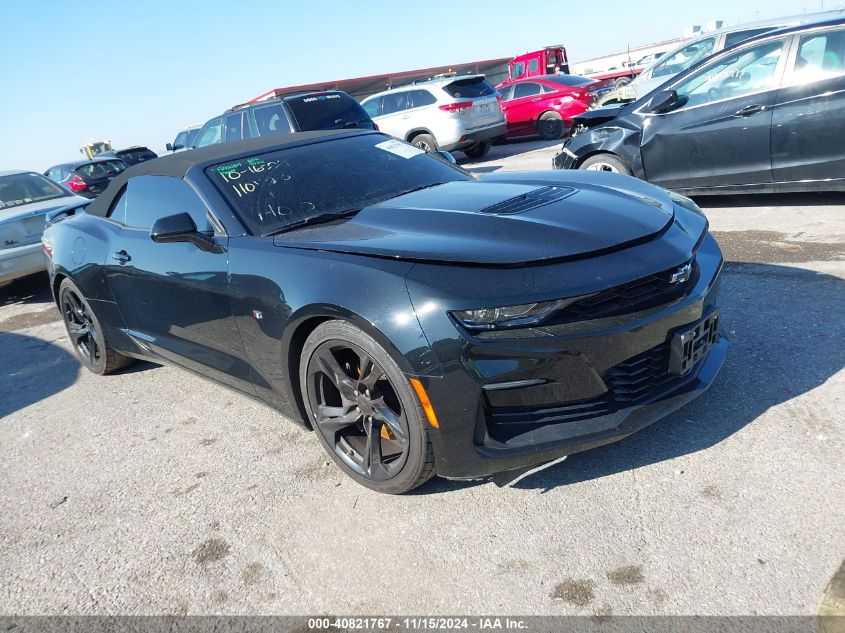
(178, 164)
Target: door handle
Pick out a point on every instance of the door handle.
(121, 256)
(750, 109)
(536, 99)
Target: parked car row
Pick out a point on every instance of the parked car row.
(764, 115)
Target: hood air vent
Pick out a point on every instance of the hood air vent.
(531, 200)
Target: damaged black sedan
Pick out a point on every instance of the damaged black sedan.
(764, 116)
(419, 320)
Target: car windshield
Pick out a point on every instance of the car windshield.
(683, 58)
(330, 111)
(290, 187)
(20, 189)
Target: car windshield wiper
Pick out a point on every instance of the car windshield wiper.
(316, 219)
(413, 189)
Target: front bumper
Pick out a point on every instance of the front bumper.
(564, 159)
(602, 379)
(469, 139)
(21, 261)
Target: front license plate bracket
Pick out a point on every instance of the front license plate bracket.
(692, 344)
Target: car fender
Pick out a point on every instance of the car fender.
(276, 310)
(417, 130)
(614, 139)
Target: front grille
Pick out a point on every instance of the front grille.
(637, 380)
(531, 200)
(641, 294)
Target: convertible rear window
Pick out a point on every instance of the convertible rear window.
(20, 189)
(289, 187)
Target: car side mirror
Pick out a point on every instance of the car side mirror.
(447, 157)
(665, 101)
(180, 228)
(169, 147)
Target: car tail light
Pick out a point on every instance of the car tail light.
(375, 126)
(451, 107)
(498, 97)
(76, 184)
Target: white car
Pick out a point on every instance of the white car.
(443, 114)
(25, 199)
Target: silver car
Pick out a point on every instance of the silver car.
(447, 114)
(25, 199)
(693, 51)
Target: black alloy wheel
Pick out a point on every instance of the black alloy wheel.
(88, 339)
(363, 411)
(82, 329)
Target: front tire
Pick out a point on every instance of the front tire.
(425, 142)
(550, 126)
(86, 335)
(606, 162)
(363, 409)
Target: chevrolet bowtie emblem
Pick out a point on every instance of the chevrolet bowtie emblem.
(680, 275)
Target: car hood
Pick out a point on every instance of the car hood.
(525, 218)
(592, 118)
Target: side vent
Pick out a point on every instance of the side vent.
(536, 198)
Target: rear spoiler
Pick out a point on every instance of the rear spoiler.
(57, 215)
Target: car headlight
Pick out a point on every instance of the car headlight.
(509, 316)
(686, 203)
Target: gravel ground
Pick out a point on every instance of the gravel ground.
(155, 491)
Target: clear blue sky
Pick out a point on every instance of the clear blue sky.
(136, 71)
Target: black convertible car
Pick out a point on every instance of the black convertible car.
(764, 116)
(421, 321)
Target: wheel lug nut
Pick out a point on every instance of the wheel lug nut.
(355, 393)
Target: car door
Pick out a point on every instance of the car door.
(233, 126)
(719, 132)
(522, 110)
(174, 297)
(394, 119)
(808, 122)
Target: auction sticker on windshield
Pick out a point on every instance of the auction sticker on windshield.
(399, 148)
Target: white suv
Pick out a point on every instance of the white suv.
(450, 113)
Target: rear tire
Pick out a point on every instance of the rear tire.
(477, 151)
(551, 126)
(86, 335)
(363, 409)
(606, 162)
(425, 142)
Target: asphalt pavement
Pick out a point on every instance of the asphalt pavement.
(155, 491)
